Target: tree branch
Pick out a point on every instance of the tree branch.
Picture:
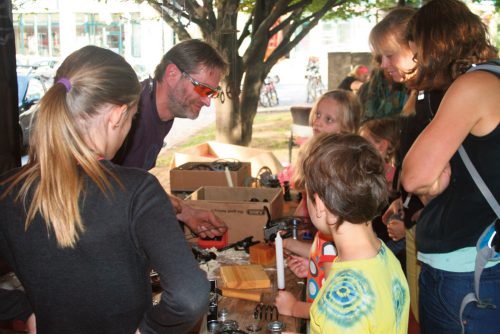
(288, 43)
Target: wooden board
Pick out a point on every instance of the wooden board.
(245, 277)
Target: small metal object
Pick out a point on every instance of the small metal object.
(276, 327)
(254, 328)
(265, 312)
(257, 313)
(223, 313)
(229, 325)
(212, 303)
(213, 326)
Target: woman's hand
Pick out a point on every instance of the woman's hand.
(442, 182)
(396, 229)
(31, 324)
(396, 207)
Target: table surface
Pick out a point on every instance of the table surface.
(243, 311)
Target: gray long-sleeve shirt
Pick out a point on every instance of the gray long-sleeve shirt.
(102, 285)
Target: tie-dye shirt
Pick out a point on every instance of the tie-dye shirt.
(363, 296)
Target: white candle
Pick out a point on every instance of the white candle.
(280, 268)
(228, 177)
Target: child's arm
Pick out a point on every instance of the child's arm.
(298, 265)
(299, 247)
(288, 305)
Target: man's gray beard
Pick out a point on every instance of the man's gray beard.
(179, 108)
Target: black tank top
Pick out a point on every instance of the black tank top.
(457, 217)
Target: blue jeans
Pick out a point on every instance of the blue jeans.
(396, 246)
(441, 293)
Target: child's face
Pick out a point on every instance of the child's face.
(380, 144)
(327, 118)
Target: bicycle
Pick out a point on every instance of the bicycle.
(268, 95)
(314, 86)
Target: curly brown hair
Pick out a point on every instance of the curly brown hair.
(449, 38)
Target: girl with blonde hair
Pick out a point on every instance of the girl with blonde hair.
(336, 111)
(81, 233)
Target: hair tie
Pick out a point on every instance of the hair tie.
(66, 83)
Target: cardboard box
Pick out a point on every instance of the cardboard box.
(244, 217)
(212, 150)
(192, 175)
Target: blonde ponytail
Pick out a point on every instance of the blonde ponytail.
(52, 182)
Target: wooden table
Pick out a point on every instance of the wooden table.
(242, 311)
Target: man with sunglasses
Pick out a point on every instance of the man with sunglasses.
(186, 80)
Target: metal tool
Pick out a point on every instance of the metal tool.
(289, 224)
(266, 312)
(276, 327)
(243, 244)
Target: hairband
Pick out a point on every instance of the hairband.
(66, 83)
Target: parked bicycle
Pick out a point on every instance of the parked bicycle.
(268, 94)
(314, 86)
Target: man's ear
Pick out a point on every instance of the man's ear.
(171, 72)
(117, 115)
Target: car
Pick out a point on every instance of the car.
(30, 89)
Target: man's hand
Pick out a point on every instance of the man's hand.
(203, 223)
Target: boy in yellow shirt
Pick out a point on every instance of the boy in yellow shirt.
(366, 290)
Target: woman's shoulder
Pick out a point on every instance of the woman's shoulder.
(476, 95)
(131, 176)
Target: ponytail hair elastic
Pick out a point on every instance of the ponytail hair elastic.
(66, 83)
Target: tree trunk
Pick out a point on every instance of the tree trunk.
(290, 19)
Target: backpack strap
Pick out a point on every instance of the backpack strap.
(485, 251)
(492, 66)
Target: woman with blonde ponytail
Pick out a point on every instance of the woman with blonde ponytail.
(82, 233)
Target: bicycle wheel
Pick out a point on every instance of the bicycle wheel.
(264, 99)
(320, 88)
(311, 90)
(273, 98)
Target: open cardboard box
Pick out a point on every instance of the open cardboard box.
(212, 150)
(233, 204)
(192, 175)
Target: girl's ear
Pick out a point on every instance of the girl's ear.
(384, 147)
(117, 115)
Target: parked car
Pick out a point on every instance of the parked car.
(31, 88)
